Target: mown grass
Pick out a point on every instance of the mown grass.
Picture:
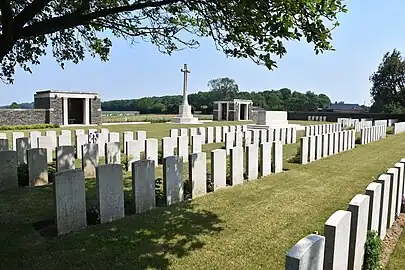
(244, 227)
(153, 118)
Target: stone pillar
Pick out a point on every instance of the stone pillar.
(86, 112)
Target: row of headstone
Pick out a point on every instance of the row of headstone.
(256, 136)
(209, 135)
(372, 134)
(381, 122)
(69, 186)
(316, 147)
(312, 130)
(391, 122)
(347, 122)
(362, 124)
(399, 127)
(345, 231)
(317, 118)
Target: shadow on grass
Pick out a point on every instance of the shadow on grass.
(149, 240)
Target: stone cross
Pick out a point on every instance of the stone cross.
(185, 71)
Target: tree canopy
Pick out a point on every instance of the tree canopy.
(388, 84)
(240, 28)
(219, 89)
(14, 105)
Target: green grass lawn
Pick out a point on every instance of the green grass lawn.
(244, 227)
(146, 117)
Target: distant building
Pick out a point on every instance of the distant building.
(344, 107)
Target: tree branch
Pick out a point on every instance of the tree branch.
(28, 13)
(6, 20)
(74, 19)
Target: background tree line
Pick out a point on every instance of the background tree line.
(222, 89)
(388, 84)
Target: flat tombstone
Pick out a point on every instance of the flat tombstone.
(173, 179)
(218, 168)
(151, 150)
(46, 142)
(252, 161)
(101, 141)
(319, 145)
(210, 134)
(307, 254)
(277, 157)
(401, 167)
(37, 166)
(393, 196)
(174, 133)
(113, 137)
(110, 192)
(183, 132)
(79, 132)
(70, 201)
(23, 144)
(65, 158)
(202, 132)
(89, 159)
(312, 148)
(143, 185)
(80, 140)
(337, 235)
(3, 144)
(373, 190)
(359, 207)
(133, 149)
(65, 132)
(265, 159)
(52, 135)
(112, 153)
(64, 140)
(15, 136)
(198, 174)
(325, 145)
(218, 134)
(304, 144)
(384, 180)
(196, 144)
(236, 166)
(8, 169)
(182, 147)
(34, 138)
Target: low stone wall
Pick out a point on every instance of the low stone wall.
(333, 116)
(10, 117)
(345, 231)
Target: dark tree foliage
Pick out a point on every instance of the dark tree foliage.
(283, 99)
(240, 28)
(388, 84)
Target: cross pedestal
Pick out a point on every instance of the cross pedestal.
(185, 116)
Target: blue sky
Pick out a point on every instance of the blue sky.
(367, 31)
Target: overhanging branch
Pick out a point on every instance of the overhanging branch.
(74, 19)
(29, 12)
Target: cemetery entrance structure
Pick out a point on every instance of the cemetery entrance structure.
(70, 108)
(234, 110)
(57, 107)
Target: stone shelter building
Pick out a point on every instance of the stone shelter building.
(234, 110)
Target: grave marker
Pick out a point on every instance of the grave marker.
(173, 179)
(90, 159)
(23, 145)
(198, 174)
(65, 158)
(112, 153)
(218, 168)
(8, 169)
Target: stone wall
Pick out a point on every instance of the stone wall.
(56, 115)
(10, 117)
(95, 111)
